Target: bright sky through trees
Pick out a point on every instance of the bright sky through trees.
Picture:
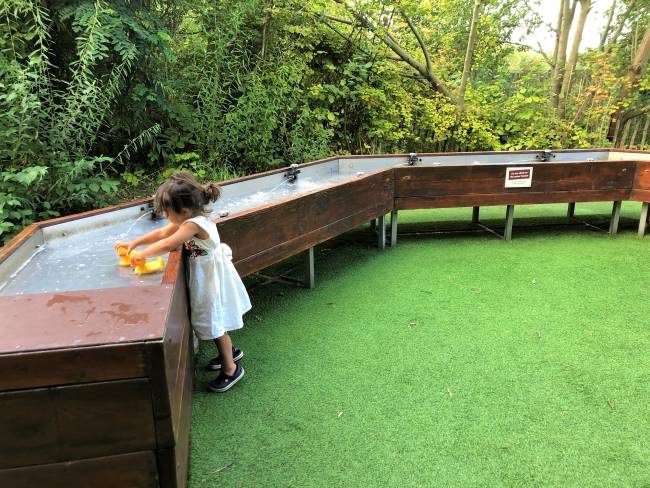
(548, 10)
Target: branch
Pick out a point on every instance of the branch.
(393, 44)
(419, 39)
(335, 19)
(626, 117)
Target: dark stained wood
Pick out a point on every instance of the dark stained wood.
(276, 224)
(57, 424)
(68, 366)
(411, 203)
(303, 242)
(277, 232)
(133, 470)
(640, 195)
(426, 182)
(642, 176)
(159, 394)
(173, 462)
(166, 366)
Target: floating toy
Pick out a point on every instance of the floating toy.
(147, 267)
(125, 259)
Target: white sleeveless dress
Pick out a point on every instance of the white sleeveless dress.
(218, 298)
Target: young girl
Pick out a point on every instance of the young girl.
(218, 298)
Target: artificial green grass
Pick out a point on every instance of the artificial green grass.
(450, 360)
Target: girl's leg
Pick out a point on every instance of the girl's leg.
(224, 344)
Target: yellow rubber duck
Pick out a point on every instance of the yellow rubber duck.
(147, 267)
(125, 259)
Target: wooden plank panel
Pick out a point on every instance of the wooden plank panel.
(133, 470)
(509, 199)
(276, 224)
(642, 176)
(303, 242)
(159, 393)
(177, 332)
(72, 422)
(184, 379)
(173, 462)
(640, 195)
(455, 180)
(178, 356)
(69, 366)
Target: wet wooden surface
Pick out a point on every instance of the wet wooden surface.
(72, 319)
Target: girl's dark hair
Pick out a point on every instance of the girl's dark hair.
(181, 190)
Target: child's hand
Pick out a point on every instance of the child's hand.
(136, 258)
(128, 245)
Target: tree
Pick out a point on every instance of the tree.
(585, 7)
(565, 20)
(471, 42)
(635, 72)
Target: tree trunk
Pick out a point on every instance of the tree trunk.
(630, 143)
(471, 42)
(608, 25)
(560, 58)
(619, 27)
(626, 129)
(585, 7)
(634, 73)
(644, 132)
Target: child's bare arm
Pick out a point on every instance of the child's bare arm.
(183, 233)
(149, 237)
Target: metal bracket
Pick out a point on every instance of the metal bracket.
(414, 159)
(292, 174)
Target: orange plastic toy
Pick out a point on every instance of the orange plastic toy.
(125, 259)
(147, 267)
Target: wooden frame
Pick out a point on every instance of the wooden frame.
(116, 409)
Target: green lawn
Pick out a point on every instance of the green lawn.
(450, 360)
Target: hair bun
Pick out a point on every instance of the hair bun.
(212, 191)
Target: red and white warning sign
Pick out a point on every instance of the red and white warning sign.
(520, 177)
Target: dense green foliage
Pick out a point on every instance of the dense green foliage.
(101, 100)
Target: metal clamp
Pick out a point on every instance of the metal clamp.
(292, 174)
(413, 159)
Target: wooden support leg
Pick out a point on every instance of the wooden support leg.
(393, 228)
(510, 217)
(616, 216)
(643, 219)
(381, 232)
(475, 214)
(373, 224)
(571, 210)
(310, 278)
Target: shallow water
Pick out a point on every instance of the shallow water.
(81, 261)
(86, 260)
(283, 190)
